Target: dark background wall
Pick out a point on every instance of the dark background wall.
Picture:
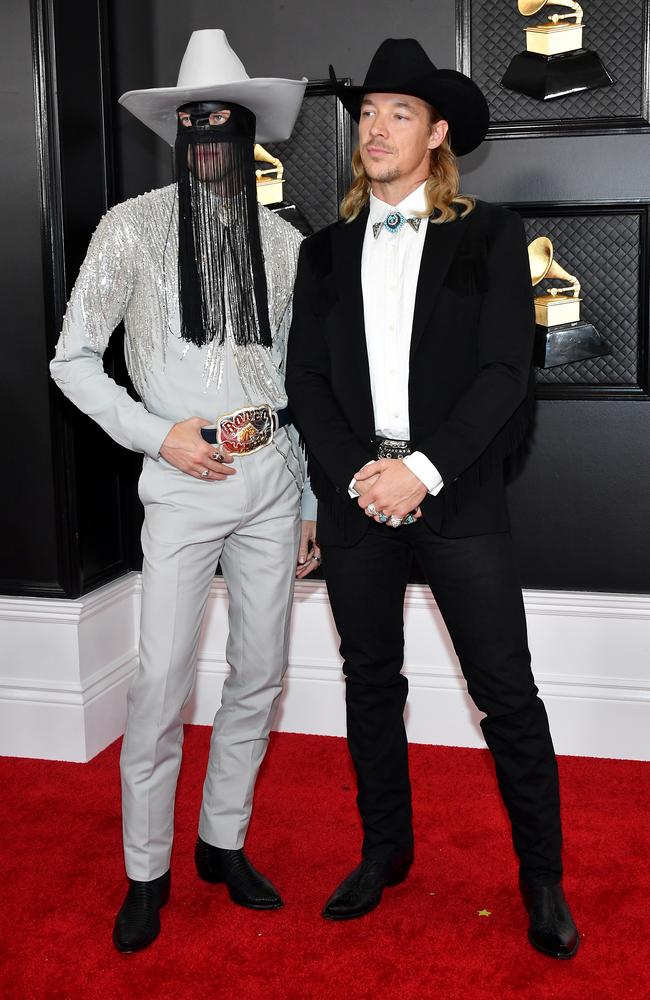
(27, 509)
(66, 505)
(579, 501)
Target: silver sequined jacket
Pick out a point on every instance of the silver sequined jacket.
(130, 274)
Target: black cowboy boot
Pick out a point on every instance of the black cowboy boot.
(138, 922)
(552, 930)
(245, 885)
(362, 890)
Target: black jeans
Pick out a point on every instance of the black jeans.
(476, 586)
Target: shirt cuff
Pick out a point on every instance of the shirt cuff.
(150, 433)
(351, 490)
(425, 470)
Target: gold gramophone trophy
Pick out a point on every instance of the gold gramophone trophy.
(270, 179)
(269, 184)
(561, 335)
(555, 63)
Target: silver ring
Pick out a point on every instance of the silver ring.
(316, 558)
(217, 457)
(372, 509)
(395, 521)
(205, 473)
(382, 517)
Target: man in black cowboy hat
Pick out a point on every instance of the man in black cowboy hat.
(409, 374)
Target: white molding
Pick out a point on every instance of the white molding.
(67, 665)
(577, 640)
(435, 678)
(65, 671)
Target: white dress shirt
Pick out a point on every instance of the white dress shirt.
(390, 267)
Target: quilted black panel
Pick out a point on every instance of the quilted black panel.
(310, 161)
(602, 251)
(614, 30)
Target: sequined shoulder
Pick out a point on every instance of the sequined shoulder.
(137, 215)
(275, 228)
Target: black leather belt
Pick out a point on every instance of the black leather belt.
(392, 447)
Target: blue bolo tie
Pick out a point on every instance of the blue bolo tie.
(394, 222)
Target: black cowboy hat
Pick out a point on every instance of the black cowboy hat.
(401, 66)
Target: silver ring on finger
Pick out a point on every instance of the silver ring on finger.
(217, 457)
(205, 473)
(372, 510)
(395, 521)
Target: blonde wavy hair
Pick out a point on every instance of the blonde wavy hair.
(441, 191)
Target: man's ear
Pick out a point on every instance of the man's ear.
(439, 132)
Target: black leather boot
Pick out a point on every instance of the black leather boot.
(362, 890)
(552, 930)
(245, 885)
(138, 922)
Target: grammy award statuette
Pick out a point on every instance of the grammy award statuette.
(555, 62)
(561, 336)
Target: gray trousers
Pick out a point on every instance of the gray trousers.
(251, 523)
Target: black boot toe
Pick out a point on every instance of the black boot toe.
(552, 929)
(246, 886)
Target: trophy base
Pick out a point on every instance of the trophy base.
(548, 77)
(567, 342)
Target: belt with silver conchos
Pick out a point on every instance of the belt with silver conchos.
(248, 429)
(392, 448)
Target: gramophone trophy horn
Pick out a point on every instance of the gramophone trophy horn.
(530, 7)
(555, 62)
(561, 335)
(543, 265)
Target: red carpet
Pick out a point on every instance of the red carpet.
(62, 882)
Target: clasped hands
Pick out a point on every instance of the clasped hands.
(392, 490)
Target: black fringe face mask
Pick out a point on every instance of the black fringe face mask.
(220, 262)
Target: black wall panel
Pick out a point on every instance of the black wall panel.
(27, 509)
(62, 507)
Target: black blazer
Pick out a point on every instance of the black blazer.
(470, 383)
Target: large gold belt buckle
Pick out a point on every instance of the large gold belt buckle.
(246, 430)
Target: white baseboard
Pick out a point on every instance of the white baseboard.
(63, 685)
(578, 641)
(65, 670)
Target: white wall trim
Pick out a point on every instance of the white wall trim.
(67, 664)
(65, 669)
(312, 668)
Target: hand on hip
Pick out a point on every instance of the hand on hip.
(185, 449)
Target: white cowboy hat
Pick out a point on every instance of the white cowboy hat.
(211, 71)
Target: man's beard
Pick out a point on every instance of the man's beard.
(222, 282)
(386, 175)
(382, 172)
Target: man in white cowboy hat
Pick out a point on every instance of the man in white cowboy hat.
(409, 372)
(203, 283)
